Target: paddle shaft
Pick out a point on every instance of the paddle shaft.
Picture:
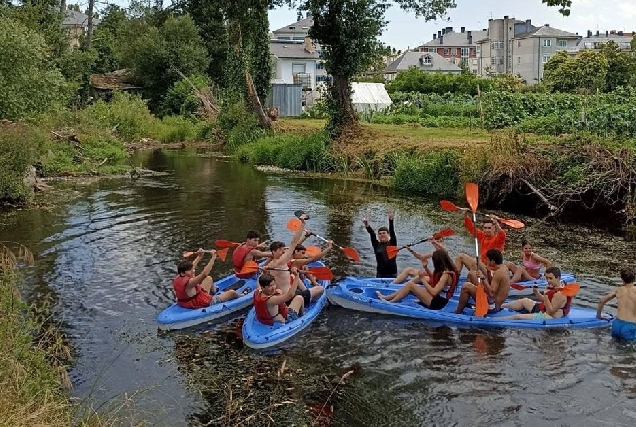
(325, 240)
(476, 242)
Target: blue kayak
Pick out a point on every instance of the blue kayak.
(258, 335)
(516, 289)
(177, 317)
(360, 295)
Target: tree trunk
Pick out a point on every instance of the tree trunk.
(343, 116)
(89, 30)
(263, 120)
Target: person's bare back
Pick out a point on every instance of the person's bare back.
(626, 299)
(500, 284)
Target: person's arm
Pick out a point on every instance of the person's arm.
(495, 221)
(491, 288)
(546, 263)
(393, 240)
(205, 273)
(374, 239)
(289, 254)
(291, 292)
(440, 285)
(260, 254)
(422, 257)
(306, 236)
(604, 300)
(557, 303)
(197, 259)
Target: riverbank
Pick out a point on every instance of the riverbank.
(554, 176)
(31, 387)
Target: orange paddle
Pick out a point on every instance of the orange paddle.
(321, 273)
(225, 244)
(451, 207)
(312, 251)
(222, 254)
(392, 251)
(481, 300)
(294, 224)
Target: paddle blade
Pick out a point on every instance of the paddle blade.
(294, 224)
(472, 196)
(392, 251)
(570, 289)
(518, 287)
(481, 302)
(352, 254)
(321, 273)
(312, 251)
(225, 244)
(250, 267)
(448, 206)
(447, 232)
(512, 223)
(222, 254)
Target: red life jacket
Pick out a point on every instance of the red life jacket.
(260, 307)
(550, 294)
(238, 257)
(451, 289)
(198, 300)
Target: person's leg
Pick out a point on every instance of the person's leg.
(520, 273)
(227, 295)
(468, 291)
(405, 274)
(297, 304)
(208, 285)
(316, 292)
(464, 260)
(520, 304)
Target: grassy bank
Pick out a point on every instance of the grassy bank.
(561, 175)
(31, 390)
(91, 141)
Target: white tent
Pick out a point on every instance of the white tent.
(369, 96)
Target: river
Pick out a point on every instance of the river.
(106, 254)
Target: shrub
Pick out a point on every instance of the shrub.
(435, 174)
(180, 98)
(19, 147)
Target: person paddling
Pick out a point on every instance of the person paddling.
(300, 261)
(491, 236)
(386, 267)
(496, 284)
(624, 325)
(250, 250)
(198, 291)
(269, 300)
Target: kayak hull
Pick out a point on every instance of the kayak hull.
(257, 335)
(360, 295)
(176, 317)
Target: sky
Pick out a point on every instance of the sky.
(405, 31)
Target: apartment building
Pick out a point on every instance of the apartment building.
(595, 41)
(517, 47)
(459, 48)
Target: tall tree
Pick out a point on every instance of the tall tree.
(620, 66)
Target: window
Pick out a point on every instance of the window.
(454, 52)
(547, 42)
(284, 38)
(519, 43)
(465, 52)
(320, 65)
(478, 50)
(562, 43)
(546, 58)
(472, 51)
(298, 69)
(501, 60)
(493, 60)
(497, 45)
(446, 51)
(432, 49)
(426, 59)
(298, 38)
(518, 60)
(292, 28)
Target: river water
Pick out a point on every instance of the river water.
(106, 254)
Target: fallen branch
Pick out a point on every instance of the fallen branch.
(545, 200)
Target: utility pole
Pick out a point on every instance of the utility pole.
(89, 32)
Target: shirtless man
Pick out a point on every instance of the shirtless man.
(492, 236)
(497, 285)
(300, 261)
(278, 267)
(250, 250)
(624, 325)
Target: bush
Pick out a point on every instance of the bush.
(415, 80)
(435, 174)
(19, 147)
(180, 98)
(288, 151)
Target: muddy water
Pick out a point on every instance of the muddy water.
(107, 254)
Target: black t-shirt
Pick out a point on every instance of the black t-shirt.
(386, 267)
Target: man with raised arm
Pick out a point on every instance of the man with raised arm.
(386, 267)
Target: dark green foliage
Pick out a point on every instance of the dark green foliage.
(415, 80)
(435, 174)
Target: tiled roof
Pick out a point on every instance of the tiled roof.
(73, 18)
(457, 39)
(288, 49)
(545, 31)
(307, 22)
(412, 59)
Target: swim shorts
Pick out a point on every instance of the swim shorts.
(624, 329)
(291, 315)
